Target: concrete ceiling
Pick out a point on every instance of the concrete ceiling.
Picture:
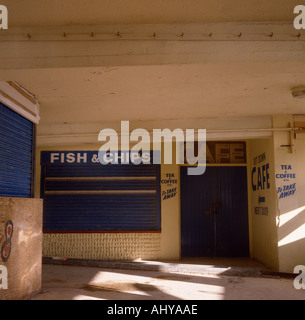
(148, 93)
(32, 13)
(223, 89)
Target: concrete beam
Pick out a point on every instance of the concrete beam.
(87, 133)
(133, 45)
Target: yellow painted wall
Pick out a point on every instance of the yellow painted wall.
(278, 238)
(291, 216)
(117, 246)
(264, 231)
(170, 215)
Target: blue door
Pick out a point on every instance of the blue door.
(214, 213)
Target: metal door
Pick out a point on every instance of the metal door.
(214, 213)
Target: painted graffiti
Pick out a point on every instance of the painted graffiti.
(7, 244)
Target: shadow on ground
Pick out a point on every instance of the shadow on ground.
(89, 280)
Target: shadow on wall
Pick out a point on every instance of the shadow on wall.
(291, 234)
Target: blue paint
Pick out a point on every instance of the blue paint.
(261, 199)
(77, 158)
(260, 178)
(76, 200)
(16, 154)
(214, 213)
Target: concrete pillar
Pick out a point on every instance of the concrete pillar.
(21, 247)
(290, 216)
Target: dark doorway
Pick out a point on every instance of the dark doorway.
(214, 213)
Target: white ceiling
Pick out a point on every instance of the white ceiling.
(147, 93)
(220, 89)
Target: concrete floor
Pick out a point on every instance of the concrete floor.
(63, 282)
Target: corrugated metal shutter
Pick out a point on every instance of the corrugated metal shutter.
(95, 197)
(16, 154)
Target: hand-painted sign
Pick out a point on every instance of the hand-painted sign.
(68, 158)
(286, 185)
(261, 178)
(170, 193)
(261, 199)
(171, 190)
(261, 211)
(223, 152)
(286, 191)
(286, 173)
(260, 174)
(260, 182)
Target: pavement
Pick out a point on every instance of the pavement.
(151, 280)
(243, 267)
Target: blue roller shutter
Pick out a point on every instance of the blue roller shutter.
(90, 197)
(16, 154)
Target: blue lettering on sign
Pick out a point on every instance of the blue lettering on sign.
(170, 193)
(286, 175)
(261, 211)
(170, 180)
(261, 199)
(261, 178)
(286, 191)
